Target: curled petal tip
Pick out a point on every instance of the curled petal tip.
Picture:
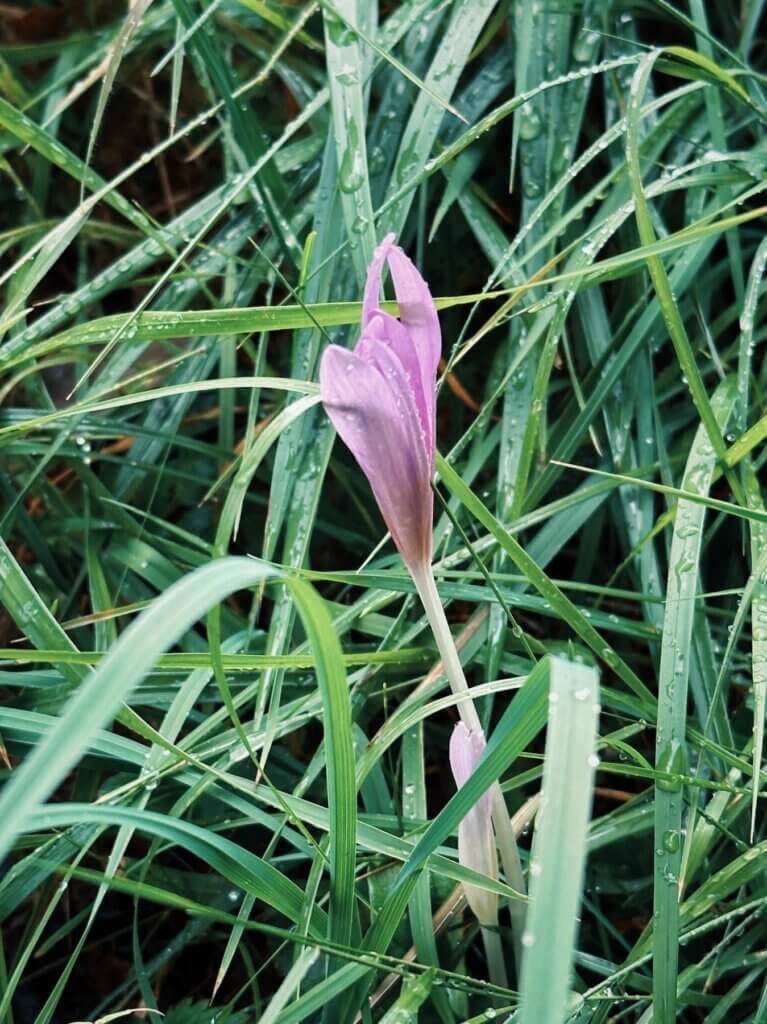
(372, 295)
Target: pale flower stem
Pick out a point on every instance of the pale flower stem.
(504, 834)
(451, 663)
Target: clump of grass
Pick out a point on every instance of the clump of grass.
(224, 728)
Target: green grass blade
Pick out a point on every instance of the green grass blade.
(671, 751)
(345, 74)
(559, 846)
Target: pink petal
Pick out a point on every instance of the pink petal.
(381, 327)
(418, 316)
(417, 311)
(371, 405)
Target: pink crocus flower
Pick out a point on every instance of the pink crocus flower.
(476, 839)
(381, 398)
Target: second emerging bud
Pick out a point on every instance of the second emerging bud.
(476, 840)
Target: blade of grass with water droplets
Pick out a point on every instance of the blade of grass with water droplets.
(605, 375)
(32, 267)
(475, 97)
(758, 531)
(80, 408)
(115, 275)
(559, 844)
(671, 748)
(718, 133)
(26, 131)
(523, 30)
(269, 185)
(415, 992)
(30, 612)
(177, 71)
(345, 75)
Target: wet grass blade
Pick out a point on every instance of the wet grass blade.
(559, 845)
(670, 744)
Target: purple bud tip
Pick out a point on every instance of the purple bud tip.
(466, 748)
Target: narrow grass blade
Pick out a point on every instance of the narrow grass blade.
(136, 12)
(559, 847)
(346, 74)
(670, 748)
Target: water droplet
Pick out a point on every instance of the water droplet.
(376, 160)
(671, 840)
(347, 75)
(671, 761)
(585, 47)
(530, 125)
(351, 173)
